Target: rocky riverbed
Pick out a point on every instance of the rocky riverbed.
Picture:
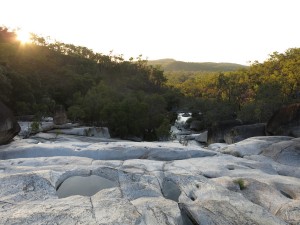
(255, 181)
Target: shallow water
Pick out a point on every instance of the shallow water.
(86, 186)
(170, 190)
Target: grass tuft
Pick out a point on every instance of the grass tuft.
(241, 183)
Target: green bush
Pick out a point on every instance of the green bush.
(35, 127)
(163, 131)
(241, 183)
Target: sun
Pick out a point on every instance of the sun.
(23, 36)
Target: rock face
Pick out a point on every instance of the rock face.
(286, 121)
(216, 132)
(100, 132)
(284, 152)
(60, 116)
(159, 183)
(202, 137)
(9, 126)
(240, 133)
(252, 146)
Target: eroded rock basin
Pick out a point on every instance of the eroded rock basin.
(85, 186)
(151, 183)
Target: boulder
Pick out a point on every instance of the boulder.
(252, 146)
(60, 116)
(216, 132)
(204, 202)
(100, 132)
(240, 133)
(202, 137)
(26, 130)
(9, 126)
(285, 152)
(285, 121)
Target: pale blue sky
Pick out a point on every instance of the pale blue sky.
(189, 30)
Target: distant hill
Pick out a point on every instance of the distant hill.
(173, 65)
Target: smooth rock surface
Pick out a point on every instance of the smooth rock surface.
(202, 137)
(208, 187)
(101, 132)
(252, 146)
(284, 152)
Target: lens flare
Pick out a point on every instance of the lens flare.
(23, 36)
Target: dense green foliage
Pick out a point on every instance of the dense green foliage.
(129, 97)
(173, 65)
(252, 94)
(133, 98)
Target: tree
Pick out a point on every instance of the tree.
(5, 86)
(7, 36)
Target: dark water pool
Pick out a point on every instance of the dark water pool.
(170, 190)
(86, 186)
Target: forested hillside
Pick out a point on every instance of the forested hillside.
(127, 96)
(252, 94)
(173, 65)
(134, 98)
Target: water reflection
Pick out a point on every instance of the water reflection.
(86, 186)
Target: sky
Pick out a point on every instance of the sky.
(236, 31)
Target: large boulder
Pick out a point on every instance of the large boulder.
(100, 132)
(242, 132)
(9, 126)
(60, 116)
(251, 146)
(285, 152)
(285, 121)
(216, 132)
(202, 137)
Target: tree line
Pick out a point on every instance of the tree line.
(252, 94)
(130, 97)
(134, 98)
